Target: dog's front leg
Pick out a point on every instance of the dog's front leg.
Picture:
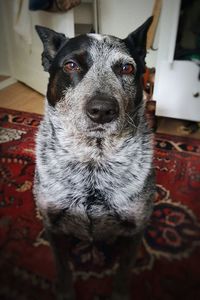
(128, 248)
(59, 244)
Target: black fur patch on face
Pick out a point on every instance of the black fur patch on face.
(75, 50)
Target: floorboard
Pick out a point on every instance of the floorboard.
(20, 97)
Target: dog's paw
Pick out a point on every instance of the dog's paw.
(102, 298)
(115, 296)
(63, 291)
(120, 296)
(65, 297)
(64, 294)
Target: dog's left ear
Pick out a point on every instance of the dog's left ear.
(136, 41)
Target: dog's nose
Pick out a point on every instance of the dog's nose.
(102, 110)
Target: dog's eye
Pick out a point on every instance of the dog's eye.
(71, 66)
(127, 69)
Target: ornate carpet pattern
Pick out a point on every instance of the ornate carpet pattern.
(168, 263)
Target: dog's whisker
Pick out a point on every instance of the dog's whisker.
(130, 120)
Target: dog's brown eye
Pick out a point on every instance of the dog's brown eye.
(71, 66)
(127, 69)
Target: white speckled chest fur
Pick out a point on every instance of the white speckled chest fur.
(94, 177)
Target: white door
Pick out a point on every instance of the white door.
(177, 87)
(24, 52)
(178, 90)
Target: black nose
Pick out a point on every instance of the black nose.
(102, 110)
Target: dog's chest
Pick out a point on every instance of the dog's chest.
(92, 202)
(92, 198)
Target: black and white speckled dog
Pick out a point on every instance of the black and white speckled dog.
(94, 178)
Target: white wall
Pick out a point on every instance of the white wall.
(119, 18)
(83, 14)
(4, 61)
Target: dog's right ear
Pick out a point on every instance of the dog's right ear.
(52, 42)
(136, 41)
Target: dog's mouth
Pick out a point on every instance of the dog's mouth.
(102, 131)
(96, 129)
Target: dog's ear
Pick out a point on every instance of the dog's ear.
(136, 40)
(52, 42)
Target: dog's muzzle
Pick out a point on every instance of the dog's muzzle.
(102, 109)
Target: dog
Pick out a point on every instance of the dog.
(94, 178)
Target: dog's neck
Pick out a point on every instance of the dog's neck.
(90, 149)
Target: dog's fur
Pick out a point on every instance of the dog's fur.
(94, 181)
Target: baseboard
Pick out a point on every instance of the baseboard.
(7, 82)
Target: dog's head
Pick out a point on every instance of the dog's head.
(95, 80)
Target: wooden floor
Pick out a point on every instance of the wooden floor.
(20, 97)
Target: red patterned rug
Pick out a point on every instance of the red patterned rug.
(168, 264)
